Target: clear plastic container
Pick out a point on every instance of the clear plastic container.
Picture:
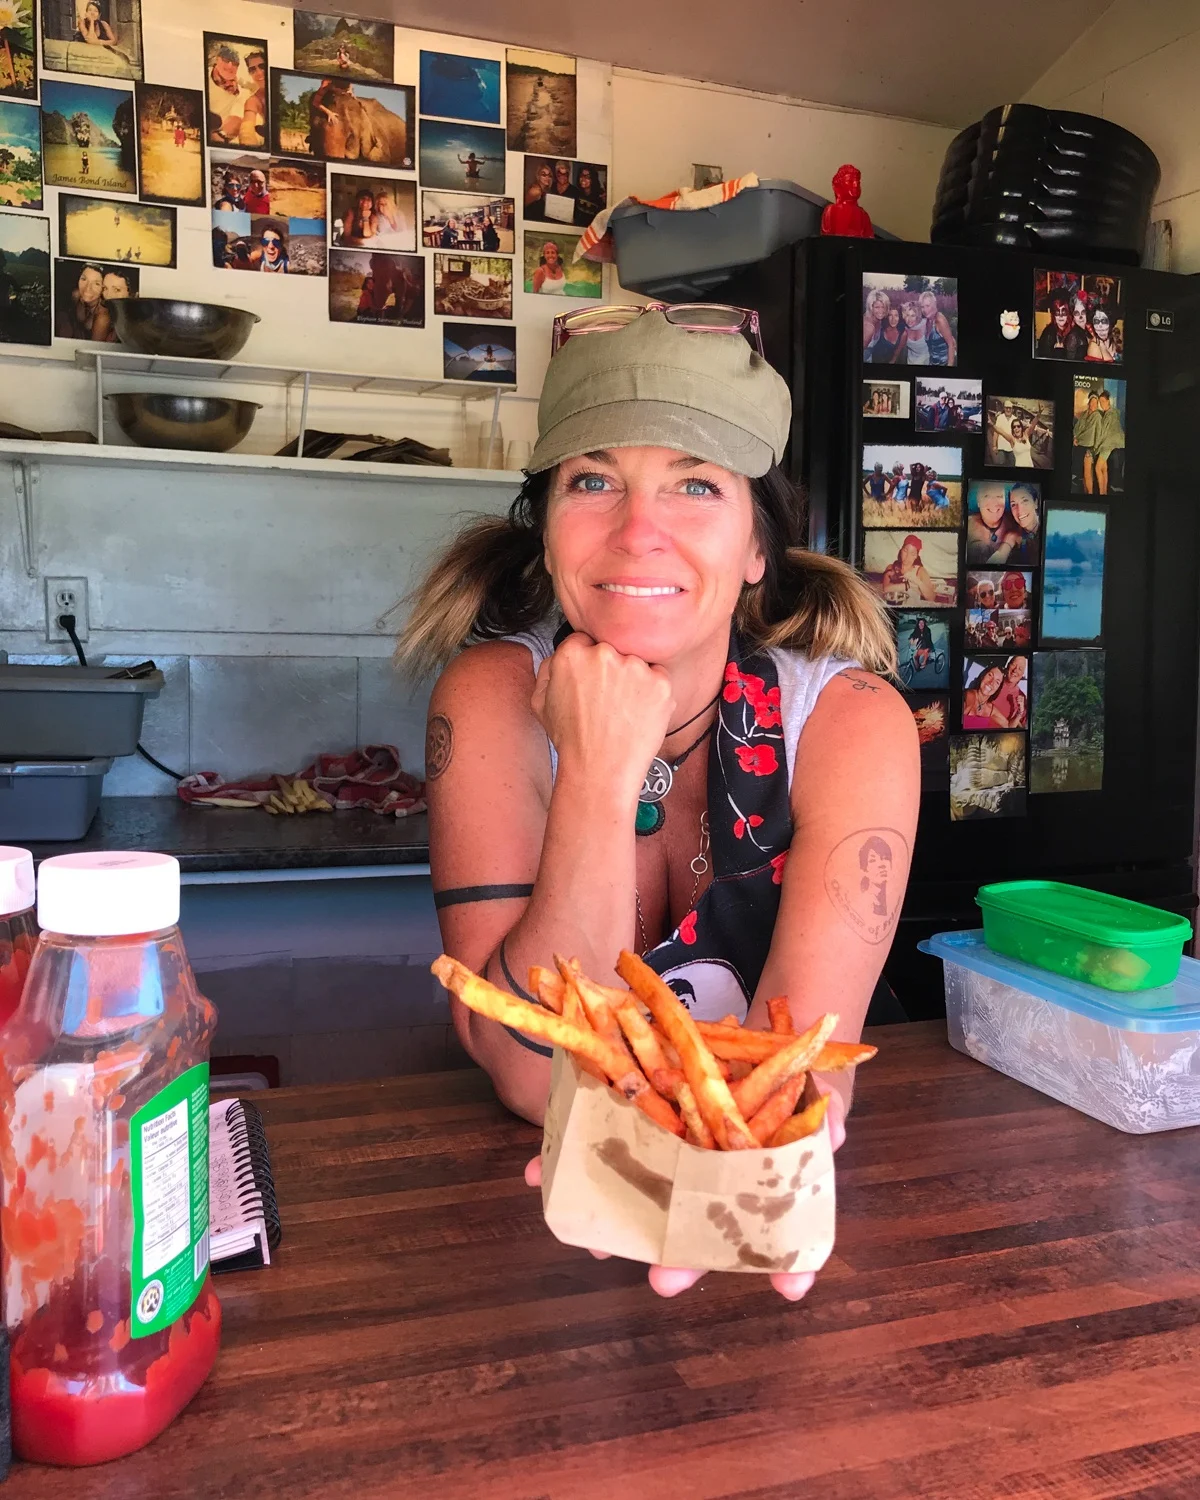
(104, 1166)
(1081, 934)
(1132, 1061)
(18, 925)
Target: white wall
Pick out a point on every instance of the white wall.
(1138, 66)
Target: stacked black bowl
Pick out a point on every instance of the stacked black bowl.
(1047, 179)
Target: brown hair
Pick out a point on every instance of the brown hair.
(491, 581)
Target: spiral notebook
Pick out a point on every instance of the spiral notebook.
(243, 1213)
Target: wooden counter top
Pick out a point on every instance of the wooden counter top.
(1011, 1309)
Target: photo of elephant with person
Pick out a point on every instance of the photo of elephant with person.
(342, 119)
(377, 287)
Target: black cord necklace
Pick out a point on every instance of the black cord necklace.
(651, 814)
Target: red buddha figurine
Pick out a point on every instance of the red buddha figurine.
(844, 215)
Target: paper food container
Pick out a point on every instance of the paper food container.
(614, 1180)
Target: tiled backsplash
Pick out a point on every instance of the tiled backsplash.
(246, 715)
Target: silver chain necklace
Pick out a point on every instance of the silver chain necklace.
(698, 866)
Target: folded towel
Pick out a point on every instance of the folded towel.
(369, 777)
(595, 243)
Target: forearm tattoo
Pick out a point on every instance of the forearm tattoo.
(864, 879)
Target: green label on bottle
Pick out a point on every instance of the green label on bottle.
(168, 1173)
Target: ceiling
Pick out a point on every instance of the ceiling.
(947, 63)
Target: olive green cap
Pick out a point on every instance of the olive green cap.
(654, 384)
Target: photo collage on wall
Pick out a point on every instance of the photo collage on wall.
(395, 189)
(984, 524)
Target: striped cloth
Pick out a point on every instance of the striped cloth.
(595, 243)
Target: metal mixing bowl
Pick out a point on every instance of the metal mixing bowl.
(192, 330)
(212, 424)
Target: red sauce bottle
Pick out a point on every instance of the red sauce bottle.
(18, 927)
(104, 1279)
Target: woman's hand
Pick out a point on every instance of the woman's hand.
(669, 1281)
(607, 714)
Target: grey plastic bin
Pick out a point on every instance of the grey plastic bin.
(71, 713)
(49, 799)
(682, 255)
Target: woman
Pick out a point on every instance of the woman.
(909, 573)
(93, 28)
(1061, 339)
(549, 276)
(358, 226)
(590, 196)
(880, 335)
(938, 334)
(1011, 702)
(1102, 346)
(987, 540)
(1013, 591)
(979, 708)
(913, 346)
(563, 186)
(86, 316)
(1022, 526)
(273, 255)
(491, 235)
(1022, 449)
(697, 634)
(535, 193)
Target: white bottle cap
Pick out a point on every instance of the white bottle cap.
(108, 894)
(16, 880)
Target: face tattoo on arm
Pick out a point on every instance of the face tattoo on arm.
(439, 746)
(864, 878)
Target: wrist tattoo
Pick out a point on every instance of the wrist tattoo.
(439, 746)
(865, 878)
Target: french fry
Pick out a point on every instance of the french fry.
(715, 1102)
(642, 1037)
(697, 1131)
(781, 1016)
(730, 1020)
(752, 1092)
(548, 988)
(744, 1044)
(807, 1122)
(779, 1108)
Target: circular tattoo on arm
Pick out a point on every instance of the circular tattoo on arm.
(439, 746)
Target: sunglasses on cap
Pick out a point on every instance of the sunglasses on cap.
(696, 317)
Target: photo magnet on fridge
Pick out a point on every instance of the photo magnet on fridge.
(1067, 728)
(987, 776)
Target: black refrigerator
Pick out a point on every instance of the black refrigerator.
(1091, 572)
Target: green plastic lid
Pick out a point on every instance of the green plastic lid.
(1094, 915)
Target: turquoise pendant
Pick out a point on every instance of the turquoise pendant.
(650, 818)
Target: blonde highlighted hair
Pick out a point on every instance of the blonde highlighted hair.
(491, 581)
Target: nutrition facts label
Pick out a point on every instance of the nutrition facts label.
(166, 1188)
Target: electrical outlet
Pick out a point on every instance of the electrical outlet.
(66, 596)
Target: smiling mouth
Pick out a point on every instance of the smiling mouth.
(634, 591)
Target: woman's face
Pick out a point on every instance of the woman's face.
(909, 556)
(928, 303)
(550, 253)
(985, 595)
(562, 176)
(115, 287)
(911, 316)
(990, 502)
(1062, 316)
(1101, 325)
(649, 549)
(1018, 428)
(91, 283)
(990, 682)
(893, 317)
(1014, 593)
(879, 307)
(1079, 312)
(1024, 508)
(585, 180)
(545, 178)
(93, 11)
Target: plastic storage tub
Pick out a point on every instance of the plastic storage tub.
(1085, 935)
(50, 799)
(1132, 1061)
(680, 255)
(71, 713)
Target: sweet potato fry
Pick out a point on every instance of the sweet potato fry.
(807, 1122)
(781, 1016)
(643, 1039)
(752, 1092)
(778, 1109)
(730, 1020)
(548, 987)
(713, 1098)
(745, 1044)
(697, 1131)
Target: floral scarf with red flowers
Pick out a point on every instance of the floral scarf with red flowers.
(714, 959)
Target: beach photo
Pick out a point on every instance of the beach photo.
(1098, 435)
(912, 568)
(465, 221)
(372, 286)
(931, 715)
(1078, 317)
(557, 191)
(340, 119)
(949, 404)
(1020, 433)
(1004, 523)
(84, 292)
(170, 128)
(1067, 728)
(906, 485)
(472, 286)
(460, 88)
(1073, 576)
(987, 776)
(20, 155)
(235, 91)
(344, 46)
(109, 229)
(923, 649)
(909, 320)
(376, 213)
(24, 279)
(102, 37)
(479, 352)
(18, 50)
(541, 102)
(886, 398)
(464, 158)
(89, 137)
(550, 270)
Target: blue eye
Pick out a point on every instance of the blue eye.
(699, 487)
(590, 483)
